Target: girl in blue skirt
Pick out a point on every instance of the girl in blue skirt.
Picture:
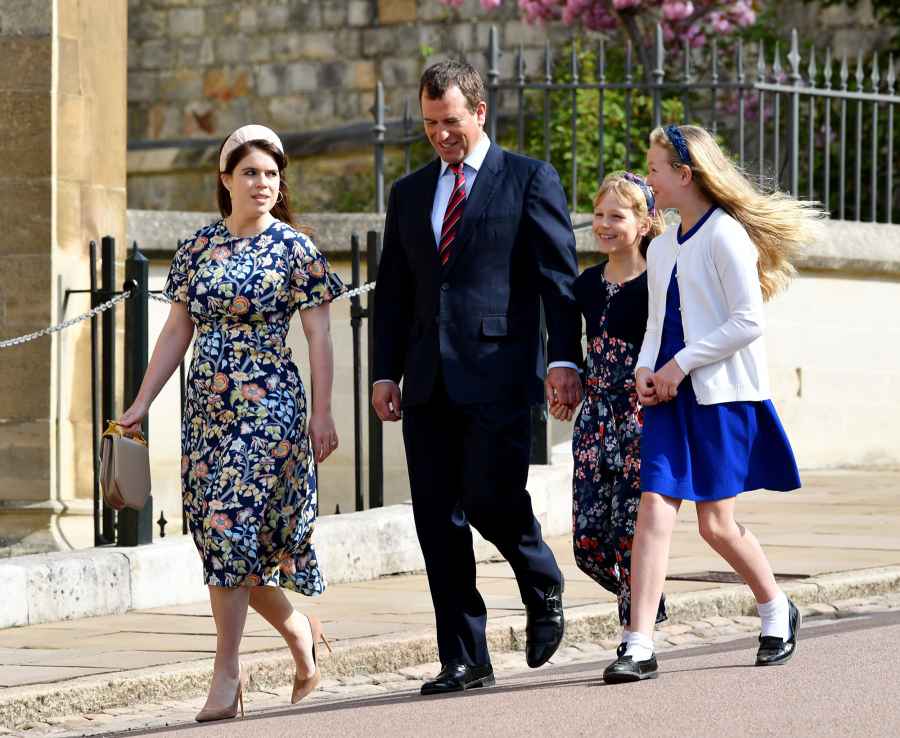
(710, 430)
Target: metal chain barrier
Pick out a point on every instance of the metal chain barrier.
(7, 343)
(66, 324)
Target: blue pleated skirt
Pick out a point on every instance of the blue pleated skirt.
(710, 452)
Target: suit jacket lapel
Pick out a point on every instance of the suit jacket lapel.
(479, 198)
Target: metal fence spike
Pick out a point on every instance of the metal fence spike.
(739, 61)
(761, 63)
(776, 63)
(891, 75)
(714, 71)
(548, 63)
(601, 62)
(811, 70)
(688, 76)
(875, 76)
(845, 71)
(827, 70)
(520, 65)
(628, 61)
(574, 61)
(860, 73)
(793, 56)
(659, 72)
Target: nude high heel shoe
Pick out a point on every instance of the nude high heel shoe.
(303, 687)
(208, 714)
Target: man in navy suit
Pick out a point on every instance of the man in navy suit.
(473, 243)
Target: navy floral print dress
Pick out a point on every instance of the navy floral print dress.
(606, 438)
(247, 468)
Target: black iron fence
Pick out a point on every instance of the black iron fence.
(818, 132)
(129, 527)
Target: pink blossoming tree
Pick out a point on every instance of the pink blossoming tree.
(693, 21)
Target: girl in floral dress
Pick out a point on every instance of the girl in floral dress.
(249, 455)
(606, 439)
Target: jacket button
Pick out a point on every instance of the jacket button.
(445, 286)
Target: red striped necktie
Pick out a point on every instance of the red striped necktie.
(453, 214)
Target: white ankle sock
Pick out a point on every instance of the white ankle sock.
(638, 646)
(775, 616)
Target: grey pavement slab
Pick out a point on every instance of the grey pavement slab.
(842, 521)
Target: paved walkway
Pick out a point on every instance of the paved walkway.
(841, 521)
(344, 705)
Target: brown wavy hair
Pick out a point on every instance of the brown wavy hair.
(778, 224)
(282, 207)
(633, 196)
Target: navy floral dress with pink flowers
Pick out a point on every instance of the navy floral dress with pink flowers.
(248, 472)
(606, 440)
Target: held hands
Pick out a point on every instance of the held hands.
(386, 401)
(661, 386)
(323, 435)
(563, 389)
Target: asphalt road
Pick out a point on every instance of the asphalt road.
(844, 681)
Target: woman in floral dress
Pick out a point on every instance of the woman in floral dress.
(606, 438)
(249, 456)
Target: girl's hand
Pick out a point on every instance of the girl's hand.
(323, 435)
(666, 380)
(133, 417)
(643, 380)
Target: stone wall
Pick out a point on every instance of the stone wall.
(63, 113)
(197, 69)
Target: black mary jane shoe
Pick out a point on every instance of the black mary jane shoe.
(456, 677)
(625, 669)
(774, 650)
(544, 628)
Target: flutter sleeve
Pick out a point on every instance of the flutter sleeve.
(313, 282)
(176, 288)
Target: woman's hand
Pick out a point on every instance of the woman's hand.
(643, 380)
(133, 417)
(323, 435)
(666, 380)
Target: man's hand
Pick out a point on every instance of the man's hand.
(386, 401)
(563, 388)
(667, 379)
(643, 379)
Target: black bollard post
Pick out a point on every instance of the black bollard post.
(356, 315)
(376, 438)
(136, 526)
(108, 368)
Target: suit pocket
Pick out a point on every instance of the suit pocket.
(494, 326)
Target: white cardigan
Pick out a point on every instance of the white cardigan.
(721, 310)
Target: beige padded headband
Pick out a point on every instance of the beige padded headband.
(243, 134)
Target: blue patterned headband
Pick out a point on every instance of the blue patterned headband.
(676, 137)
(642, 184)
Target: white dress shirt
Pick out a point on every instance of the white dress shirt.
(471, 165)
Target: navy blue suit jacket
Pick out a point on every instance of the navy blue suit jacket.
(477, 318)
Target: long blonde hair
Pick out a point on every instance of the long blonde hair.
(632, 195)
(778, 224)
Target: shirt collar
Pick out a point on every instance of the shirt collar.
(476, 156)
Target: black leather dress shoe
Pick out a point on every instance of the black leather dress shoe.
(774, 650)
(545, 628)
(456, 677)
(626, 669)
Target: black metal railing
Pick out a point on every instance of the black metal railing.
(819, 133)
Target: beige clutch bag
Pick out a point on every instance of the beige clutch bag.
(124, 468)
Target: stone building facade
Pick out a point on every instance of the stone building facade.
(197, 69)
